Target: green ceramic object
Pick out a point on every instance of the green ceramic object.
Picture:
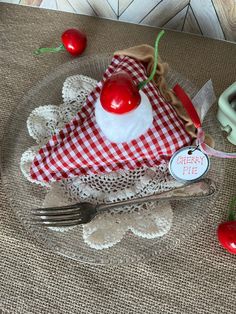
(227, 112)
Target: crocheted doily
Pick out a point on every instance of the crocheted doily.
(149, 220)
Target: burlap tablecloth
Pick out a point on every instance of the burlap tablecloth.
(195, 277)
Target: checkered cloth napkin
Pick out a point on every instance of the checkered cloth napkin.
(81, 148)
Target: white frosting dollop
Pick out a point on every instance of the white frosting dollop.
(120, 128)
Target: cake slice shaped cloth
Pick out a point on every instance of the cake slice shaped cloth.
(81, 148)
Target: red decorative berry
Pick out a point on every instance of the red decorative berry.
(227, 236)
(226, 231)
(74, 41)
(119, 93)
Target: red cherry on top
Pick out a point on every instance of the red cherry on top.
(119, 93)
(74, 41)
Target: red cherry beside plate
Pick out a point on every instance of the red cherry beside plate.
(74, 41)
(227, 235)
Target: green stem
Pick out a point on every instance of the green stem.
(55, 49)
(233, 202)
(143, 83)
(232, 211)
(231, 215)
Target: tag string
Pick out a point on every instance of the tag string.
(189, 107)
(193, 150)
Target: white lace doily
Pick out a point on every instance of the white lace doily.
(148, 220)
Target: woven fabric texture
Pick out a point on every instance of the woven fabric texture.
(195, 277)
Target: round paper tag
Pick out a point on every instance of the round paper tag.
(189, 164)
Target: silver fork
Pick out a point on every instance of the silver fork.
(84, 212)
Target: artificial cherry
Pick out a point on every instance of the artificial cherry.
(73, 40)
(119, 93)
(227, 231)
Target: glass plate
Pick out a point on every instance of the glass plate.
(24, 195)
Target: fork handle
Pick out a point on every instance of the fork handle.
(202, 188)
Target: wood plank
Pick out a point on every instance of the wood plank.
(226, 11)
(177, 21)
(137, 10)
(11, 1)
(215, 18)
(123, 4)
(114, 5)
(164, 12)
(35, 3)
(82, 7)
(49, 4)
(207, 18)
(190, 23)
(64, 5)
(103, 9)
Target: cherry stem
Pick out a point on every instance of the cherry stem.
(143, 83)
(232, 211)
(55, 49)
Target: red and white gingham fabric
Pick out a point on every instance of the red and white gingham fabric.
(81, 148)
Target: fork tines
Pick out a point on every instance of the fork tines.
(52, 217)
